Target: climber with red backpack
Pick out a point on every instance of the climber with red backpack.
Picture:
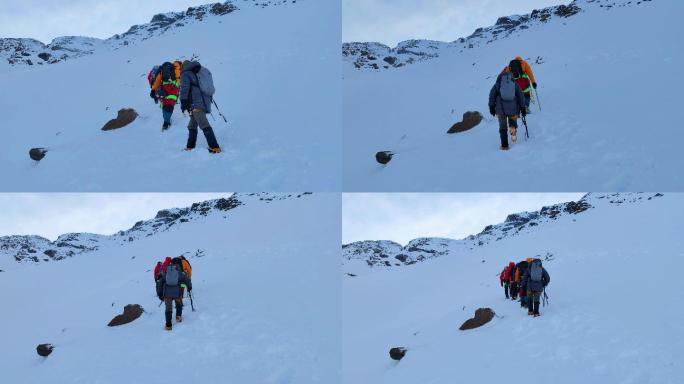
(157, 270)
(164, 86)
(506, 101)
(505, 278)
(524, 77)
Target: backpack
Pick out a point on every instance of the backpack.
(516, 68)
(153, 74)
(536, 271)
(172, 275)
(205, 82)
(507, 87)
(168, 72)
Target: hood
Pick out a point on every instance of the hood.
(190, 66)
(511, 264)
(519, 58)
(529, 259)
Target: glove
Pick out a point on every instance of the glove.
(534, 85)
(492, 110)
(524, 111)
(152, 94)
(189, 289)
(185, 106)
(502, 283)
(160, 298)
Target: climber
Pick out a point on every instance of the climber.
(536, 279)
(521, 268)
(505, 278)
(169, 291)
(523, 76)
(196, 92)
(164, 87)
(506, 101)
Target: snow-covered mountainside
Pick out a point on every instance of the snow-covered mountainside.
(277, 84)
(584, 56)
(265, 286)
(357, 256)
(21, 51)
(615, 273)
(36, 249)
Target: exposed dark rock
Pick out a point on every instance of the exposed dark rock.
(44, 55)
(401, 258)
(390, 60)
(577, 206)
(50, 252)
(383, 157)
(37, 154)
(567, 10)
(130, 313)
(397, 353)
(482, 317)
(44, 349)
(470, 120)
(222, 9)
(124, 117)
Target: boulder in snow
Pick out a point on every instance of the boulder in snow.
(470, 119)
(482, 317)
(397, 353)
(124, 117)
(130, 313)
(383, 157)
(37, 154)
(44, 349)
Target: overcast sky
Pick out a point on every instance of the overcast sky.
(52, 214)
(402, 217)
(46, 19)
(392, 21)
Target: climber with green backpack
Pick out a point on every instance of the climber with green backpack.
(536, 279)
(169, 290)
(506, 101)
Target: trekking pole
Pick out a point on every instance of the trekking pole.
(191, 303)
(219, 111)
(546, 298)
(160, 303)
(536, 95)
(527, 134)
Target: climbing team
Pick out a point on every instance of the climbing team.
(510, 97)
(172, 278)
(193, 84)
(528, 280)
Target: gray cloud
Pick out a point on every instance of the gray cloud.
(402, 217)
(52, 214)
(392, 21)
(46, 19)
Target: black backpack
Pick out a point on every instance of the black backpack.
(516, 68)
(168, 72)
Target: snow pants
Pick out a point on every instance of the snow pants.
(533, 297)
(506, 285)
(199, 118)
(514, 290)
(523, 296)
(168, 301)
(504, 123)
(167, 111)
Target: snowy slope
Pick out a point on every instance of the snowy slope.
(615, 271)
(602, 126)
(277, 83)
(266, 288)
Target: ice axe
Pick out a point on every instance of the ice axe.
(536, 95)
(527, 134)
(192, 305)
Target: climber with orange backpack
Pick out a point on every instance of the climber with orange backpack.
(524, 77)
(164, 86)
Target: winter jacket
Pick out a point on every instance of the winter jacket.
(172, 291)
(526, 68)
(187, 268)
(503, 107)
(190, 90)
(536, 286)
(520, 269)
